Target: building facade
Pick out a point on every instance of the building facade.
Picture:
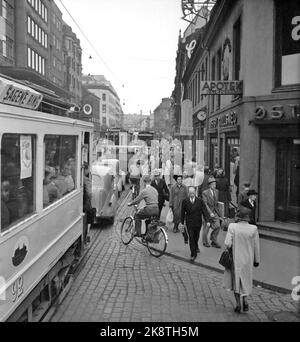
(110, 106)
(245, 92)
(73, 63)
(32, 37)
(7, 32)
(163, 117)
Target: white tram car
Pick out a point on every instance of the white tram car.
(41, 217)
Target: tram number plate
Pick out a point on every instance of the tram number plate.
(17, 288)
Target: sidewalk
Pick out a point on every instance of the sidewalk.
(279, 262)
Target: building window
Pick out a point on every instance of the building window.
(40, 8)
(17, 178)
(287, 43)
(287, 181)
(35, 61)
(213, 77)
(104, 109)
(219, 68)
(103, 97)
(236, 49)
(60, 172)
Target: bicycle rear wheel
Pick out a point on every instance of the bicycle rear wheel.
(127, 230)
(158, 247)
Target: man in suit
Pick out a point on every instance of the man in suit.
(243, 195)
(192, 210)
(250, 203)
(210, 198)
(163, 192)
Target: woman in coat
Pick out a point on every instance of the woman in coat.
(244, 240)
(223, 186)
(177, 194)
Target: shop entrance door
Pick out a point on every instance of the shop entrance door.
(288, 181)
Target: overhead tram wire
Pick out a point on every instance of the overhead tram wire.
(87, 39)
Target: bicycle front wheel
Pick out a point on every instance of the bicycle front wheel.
(158, 247)
(127, 230)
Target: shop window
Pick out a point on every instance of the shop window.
(232, 165)
(214, 153)
(287, 43)
(288, 180)
(17, 179)
(60, 167)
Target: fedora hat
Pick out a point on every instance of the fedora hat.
(246, 183)
(243, 214)
(252, 192)
(177, 176)
(211, 180)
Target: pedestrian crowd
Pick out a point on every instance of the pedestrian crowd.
(199, 198)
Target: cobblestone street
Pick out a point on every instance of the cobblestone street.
(125, 284)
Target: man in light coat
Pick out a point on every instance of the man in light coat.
(210, 199)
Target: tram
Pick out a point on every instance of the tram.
(42, 225)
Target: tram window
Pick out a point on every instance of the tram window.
(60, 172)
(17, 178)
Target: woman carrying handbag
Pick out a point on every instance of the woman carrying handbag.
(243, 238)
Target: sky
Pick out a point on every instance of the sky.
(135, 42)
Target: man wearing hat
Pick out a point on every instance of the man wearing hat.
(150, 195)
(243, 195)
(250, 203)
(210, 199)
(163, 192)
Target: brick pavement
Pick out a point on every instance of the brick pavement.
(126, 284)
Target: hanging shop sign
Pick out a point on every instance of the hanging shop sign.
(221, 87)
(16, 94)
(190, 48)
(278, 112)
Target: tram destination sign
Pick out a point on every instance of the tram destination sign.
(221, 87)
(16, 94)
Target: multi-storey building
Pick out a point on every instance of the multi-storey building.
(243, 80)
(110, 106)
(7, 32)
(73, 63)
(163, 118)
(56, 52)
(32, 36)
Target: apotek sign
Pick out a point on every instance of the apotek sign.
(221, 87)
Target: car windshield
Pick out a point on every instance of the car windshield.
(97, 181)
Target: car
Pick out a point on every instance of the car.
(104, 192)
(120, 175)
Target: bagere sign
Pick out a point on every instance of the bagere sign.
(221, 87)
(16, 94)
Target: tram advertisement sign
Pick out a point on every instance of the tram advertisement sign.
(16, 94)
(26, 156)
(221, 87)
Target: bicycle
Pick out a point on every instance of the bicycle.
(155, 241)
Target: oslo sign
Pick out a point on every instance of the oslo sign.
(221, 87)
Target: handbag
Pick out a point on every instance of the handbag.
(226, 259)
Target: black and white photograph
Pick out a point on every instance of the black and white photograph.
(150, 164)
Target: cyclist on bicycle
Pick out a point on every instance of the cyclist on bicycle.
(135, 174)
(150, 195)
